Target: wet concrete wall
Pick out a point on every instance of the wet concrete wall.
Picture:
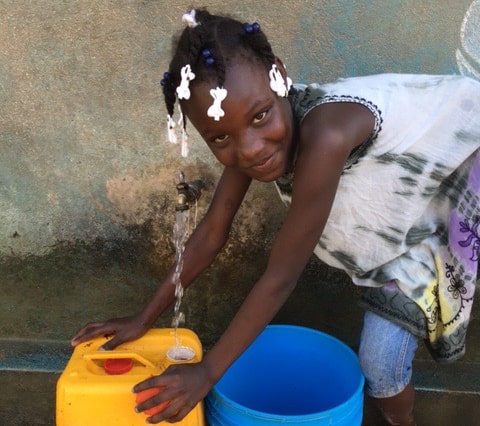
(86, 174)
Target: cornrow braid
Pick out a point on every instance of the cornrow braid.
(226, 39)
(259, 44)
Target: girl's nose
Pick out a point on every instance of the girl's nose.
(250, 147)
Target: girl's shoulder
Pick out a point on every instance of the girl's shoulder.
(380, 93)
(304, 98)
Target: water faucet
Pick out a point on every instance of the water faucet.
(187, 192)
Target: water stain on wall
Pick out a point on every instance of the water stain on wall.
(146, 200)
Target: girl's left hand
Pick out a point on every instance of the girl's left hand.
(182, 385)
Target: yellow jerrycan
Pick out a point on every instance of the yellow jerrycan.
(95, 389)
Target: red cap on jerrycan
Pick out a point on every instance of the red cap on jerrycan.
(117, 366)
(147, 394)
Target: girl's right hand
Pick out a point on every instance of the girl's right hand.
(123, 330)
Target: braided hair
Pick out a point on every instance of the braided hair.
(219, 39)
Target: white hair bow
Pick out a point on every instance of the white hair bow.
(172, 137)
(183, 91)
(218, 94)
(277, 83)
(189, 19)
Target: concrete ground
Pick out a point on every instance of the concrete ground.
(45, 300)
(28, 399)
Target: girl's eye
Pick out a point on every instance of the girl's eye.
(220, 139)
(259, 117)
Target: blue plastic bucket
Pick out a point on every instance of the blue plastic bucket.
(290, 375)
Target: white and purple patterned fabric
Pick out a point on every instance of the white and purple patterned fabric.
(405, 219)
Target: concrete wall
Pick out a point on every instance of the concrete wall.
(83, 154)
(87, 178)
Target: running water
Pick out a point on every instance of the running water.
(180, 231)
(187, 194)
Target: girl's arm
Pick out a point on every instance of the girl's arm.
(207, 239)
(328, 134)
(202, 247)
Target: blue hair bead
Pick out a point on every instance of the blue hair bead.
(248, 28)
(251, 28)
(165, 79)
(207, 57)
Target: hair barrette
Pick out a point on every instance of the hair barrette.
(172, 137)
(277, 82)
(251, 28)
(189, 19)
(183, 91)
(215, 111)
(181, 123)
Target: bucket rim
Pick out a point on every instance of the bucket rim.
(216, 395)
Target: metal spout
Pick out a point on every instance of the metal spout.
(188, 192)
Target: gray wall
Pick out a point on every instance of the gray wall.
(83, 154)
(87, 176)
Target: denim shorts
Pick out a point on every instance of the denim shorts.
(386, 355)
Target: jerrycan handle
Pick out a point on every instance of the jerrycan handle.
(104, 355)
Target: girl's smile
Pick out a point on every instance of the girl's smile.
(255, 134)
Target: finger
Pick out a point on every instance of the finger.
(179, 416)
(155, 400)
(87, 333)
(151, 382)
(116, 340)
(174, 412)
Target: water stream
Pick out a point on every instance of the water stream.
(187, 194)
(180, 232)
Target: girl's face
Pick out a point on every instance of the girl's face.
(255, 134)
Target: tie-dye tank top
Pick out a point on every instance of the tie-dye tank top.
(404, 222)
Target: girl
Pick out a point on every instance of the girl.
(381, 175)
